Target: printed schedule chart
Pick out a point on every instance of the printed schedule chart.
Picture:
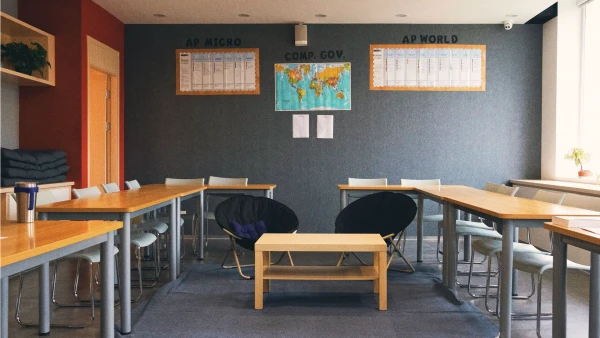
(218, 71)
(431, 67)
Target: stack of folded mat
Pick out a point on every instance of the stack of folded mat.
(45, 166)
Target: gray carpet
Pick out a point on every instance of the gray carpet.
(207, 301)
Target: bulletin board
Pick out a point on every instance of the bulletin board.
(223, 71)
(427, 67)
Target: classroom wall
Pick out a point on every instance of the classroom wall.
(465, 138)
(9, 107)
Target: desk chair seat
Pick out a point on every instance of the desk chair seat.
(91, 255)
(490, 247)
(462, 230)
(538, 263)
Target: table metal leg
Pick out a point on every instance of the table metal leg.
(44, 299)
(420, 228)
(107, 319)
(515, 277)
(507, 278)
(445, 244)
(559, 287)
(173, 241)
(178, 234)
(4, 306)
(125, 279)
(452, 248)
(202, 220)
(594, 329)
(343, 199)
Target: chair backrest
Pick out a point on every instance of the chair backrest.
(86, 192)
(367, 181)
(382, 213)
(506, 190)
(184, 181)
(132, 185)
(110, 187)
(44, 197)
(492, 187)
(415, 183)
(214, 180)
(583, 202)
(549, 196)
(246, 209)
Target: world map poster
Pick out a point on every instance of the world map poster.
(312, 86)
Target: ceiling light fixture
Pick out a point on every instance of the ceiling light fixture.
(158, 15)
(511, 15)
(244, 15)
(401, 15)
(321, 15)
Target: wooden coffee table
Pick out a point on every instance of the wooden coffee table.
(320, 243)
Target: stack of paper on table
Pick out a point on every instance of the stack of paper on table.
(577, 221)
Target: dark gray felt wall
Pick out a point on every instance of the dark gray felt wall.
(466, 138)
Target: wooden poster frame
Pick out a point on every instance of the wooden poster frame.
(430, 46)
(256, 90)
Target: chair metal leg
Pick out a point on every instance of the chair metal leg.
(237, 261)
(396, 249)
(342, 257)
(18, 307)
(281, 258)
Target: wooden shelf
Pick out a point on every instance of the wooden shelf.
(320, 273)
(12, 30)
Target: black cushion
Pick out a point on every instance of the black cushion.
(245, 209)
(383, 213)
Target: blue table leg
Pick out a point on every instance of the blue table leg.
(594, 329)
(559, 287)
(507, 278)
(4, 306)
(173, 241)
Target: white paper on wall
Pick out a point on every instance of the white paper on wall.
(324, 126)
(300, 125)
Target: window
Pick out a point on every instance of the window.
(589, 119)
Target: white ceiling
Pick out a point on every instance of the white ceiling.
(337, 11)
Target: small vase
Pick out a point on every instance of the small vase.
(585, 173)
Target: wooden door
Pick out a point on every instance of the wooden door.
(99, 127)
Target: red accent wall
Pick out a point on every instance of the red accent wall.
(56, 118)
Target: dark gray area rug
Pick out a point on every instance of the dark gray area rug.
(208, 301)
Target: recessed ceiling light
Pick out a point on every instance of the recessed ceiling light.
(401, 15)
(244, 15)
(321, 15)
(158, 15)
(511, 15)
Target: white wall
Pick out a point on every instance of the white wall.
(549, 56)
(9, 102)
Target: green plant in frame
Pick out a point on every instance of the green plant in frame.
(24, 59)
(578, 156)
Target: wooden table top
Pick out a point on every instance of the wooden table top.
(507, 207)
(124, 201)
(321, 242)
(21, 241)
(578, 233)
(387, 187)
(242, 187)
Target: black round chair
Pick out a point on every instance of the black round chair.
(244, 210)
(384, 213)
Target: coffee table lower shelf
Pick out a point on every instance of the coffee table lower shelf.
(321, 273)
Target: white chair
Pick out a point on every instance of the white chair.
(209, 215)
(132, 185)
(92, 255)
(490, 247)
(143, 235)
(195, 219)
(538, 263)
(367, 181)
(437, 218)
